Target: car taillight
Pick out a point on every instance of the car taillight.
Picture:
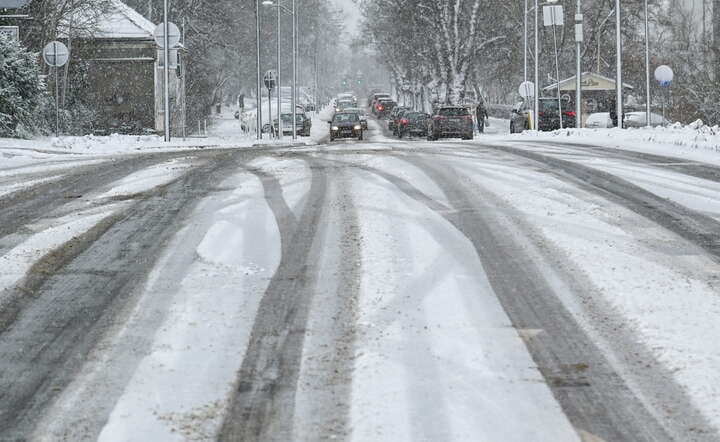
(381, 108)
(570, 114)
(404, 121)
(468, 117)
(541, 113)
(438, 117)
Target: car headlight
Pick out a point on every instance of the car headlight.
(335, 128)
(358, 127)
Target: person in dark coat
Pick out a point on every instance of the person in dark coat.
(481, 115)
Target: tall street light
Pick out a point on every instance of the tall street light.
(277, 76)
(258, 92)
(618, 66)
(166, 71)
(536, 107)
(578, 64)
(647, 66)
(292, 12)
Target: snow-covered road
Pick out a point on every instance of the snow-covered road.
(384, 290)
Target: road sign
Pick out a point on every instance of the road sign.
(664, 75)
(56, 54)
(270, 79)
(173, 35)
(553, 15)
(527, 89)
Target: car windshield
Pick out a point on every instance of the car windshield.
(416, 116)
(548, 105)
(354, 110)
(453, 112)
(346, 118)
(287, 118)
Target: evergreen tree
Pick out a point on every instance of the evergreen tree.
(19, 87)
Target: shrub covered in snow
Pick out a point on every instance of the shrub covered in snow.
(19, 87)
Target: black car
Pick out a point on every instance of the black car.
(395, 116)
(361, 114)
(413, 124)
(346, 125)
(383, 107)
(548, 117)
(450, 122)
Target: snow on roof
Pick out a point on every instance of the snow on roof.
(123, 22)
(13, 4)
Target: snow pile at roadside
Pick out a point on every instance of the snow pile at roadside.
(696, 135)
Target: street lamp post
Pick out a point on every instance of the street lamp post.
(647, 66)
(578, 64)
(166, 71)
(258, 91)
(292, 12)
(279, 87)
(618, 66)
(536, 107)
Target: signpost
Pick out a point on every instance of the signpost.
(167, 36)
(270, 80)
(527, 91)
(56, 55)
(553, 16)
(664, 76)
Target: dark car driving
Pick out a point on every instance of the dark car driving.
(413, 124)
(450, 122)
(346, 125)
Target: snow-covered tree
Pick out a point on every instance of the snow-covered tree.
(19, 87)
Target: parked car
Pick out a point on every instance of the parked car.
(413, 124)
(638, 119)
(345, 125)
(303, 124)
(342, 103)
(548, 118)
(520, 117)
(599, 120)
(361, 114)
(395, 116)
(450, 122)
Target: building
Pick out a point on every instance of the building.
(123, 74)
(598, 92)
(12, 15)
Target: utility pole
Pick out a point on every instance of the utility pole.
(618, 66)
(258, 90)
(578, 63)
(166, 70)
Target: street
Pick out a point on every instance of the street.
(384, 290)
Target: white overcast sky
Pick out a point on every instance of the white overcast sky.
(351, 14)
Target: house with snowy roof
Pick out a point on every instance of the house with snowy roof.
(117, 70)
(12, 14)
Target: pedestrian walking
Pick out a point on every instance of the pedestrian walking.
(481, 115)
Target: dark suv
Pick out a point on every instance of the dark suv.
(450, 122)
(548, 118)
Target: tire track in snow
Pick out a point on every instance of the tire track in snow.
(68, 312)
(592, 394)
(263, 407)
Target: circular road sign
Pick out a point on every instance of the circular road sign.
(270, 79)
(527, 89)
(664, 75)
(56, 54)
(173, 35)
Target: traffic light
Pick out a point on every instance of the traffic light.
(345, 82)
(359, 82)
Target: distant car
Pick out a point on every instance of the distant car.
(638, 119)
(361, 114)
(394, 117)
(450, 122)
(373, 98)
(383, 107)
(413, 124)
(346, 125)
(342, 103)
(599, 120)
